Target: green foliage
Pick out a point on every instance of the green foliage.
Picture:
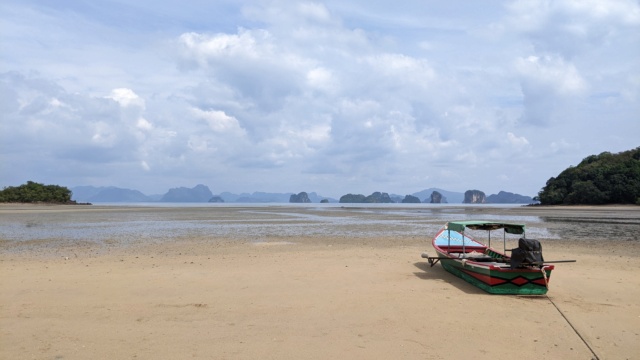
(352, 198)
(598, 179)
(376, 197)
(34, 192)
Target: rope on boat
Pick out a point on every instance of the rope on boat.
(595, 357)
(544, 274)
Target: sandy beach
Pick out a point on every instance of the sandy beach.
(287, 295)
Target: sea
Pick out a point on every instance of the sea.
(158, 222)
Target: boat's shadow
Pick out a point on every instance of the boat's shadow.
(437, 273)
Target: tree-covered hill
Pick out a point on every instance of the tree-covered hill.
(599, 179)
(376, 197)
(32, 192)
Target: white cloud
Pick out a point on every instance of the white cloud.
(624, 11)
(220, 122)
(517, 141)
(316, 134)
(547, 84)
(57, 103)
(571, 27)
(402, 68)
(314, 11)
(321, 79)
(201, 47)
(554, 74)
(144, 124)
(126, 97)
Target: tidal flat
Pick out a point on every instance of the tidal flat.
(304, 281)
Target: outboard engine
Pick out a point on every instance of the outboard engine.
(528, 252)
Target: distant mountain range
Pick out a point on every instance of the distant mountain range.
(450, 196)
(108, 194)
(201, 194)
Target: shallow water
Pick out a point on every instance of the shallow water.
(120, 225)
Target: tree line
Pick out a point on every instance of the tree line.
(599, 179)
(33, 192)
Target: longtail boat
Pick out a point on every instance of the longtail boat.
(522, 273)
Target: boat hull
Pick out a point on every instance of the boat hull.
(496, 280)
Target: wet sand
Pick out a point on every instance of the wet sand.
(313, 297)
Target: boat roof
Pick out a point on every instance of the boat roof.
(485, 225)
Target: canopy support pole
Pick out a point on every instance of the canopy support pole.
(463, 242)
(504, 241)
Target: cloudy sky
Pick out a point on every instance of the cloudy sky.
(334, 97)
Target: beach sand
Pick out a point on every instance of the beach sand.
(317, 297)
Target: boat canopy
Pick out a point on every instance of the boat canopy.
(485, 225)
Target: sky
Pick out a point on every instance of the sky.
(332, 97)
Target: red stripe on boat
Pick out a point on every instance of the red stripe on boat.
(520, 280)
(492, 281)
(539, 281)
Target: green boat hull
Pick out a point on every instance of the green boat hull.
(500, 281)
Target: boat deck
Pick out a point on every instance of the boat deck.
(481, 258)
(458, 246)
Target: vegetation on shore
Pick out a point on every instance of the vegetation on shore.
(33, 192)
(599, 179)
